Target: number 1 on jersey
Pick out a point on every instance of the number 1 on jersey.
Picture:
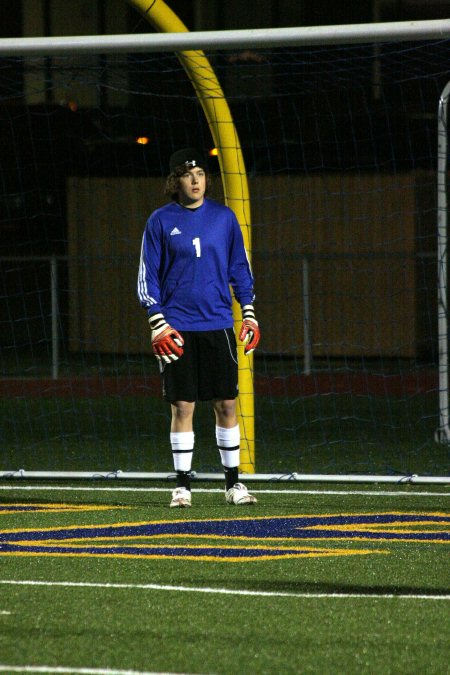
(196, 244)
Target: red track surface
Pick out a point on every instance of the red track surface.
(360, 383)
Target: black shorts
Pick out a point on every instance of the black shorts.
(207, 370)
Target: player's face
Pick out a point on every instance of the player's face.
(192, 187)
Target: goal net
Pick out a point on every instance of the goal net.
(339, 143)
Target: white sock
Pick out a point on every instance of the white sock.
(182, 443)
(228, 442)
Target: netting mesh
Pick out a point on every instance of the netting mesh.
(340, 151)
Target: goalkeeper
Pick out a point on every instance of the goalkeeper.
(192, 251)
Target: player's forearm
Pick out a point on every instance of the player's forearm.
(148, 290)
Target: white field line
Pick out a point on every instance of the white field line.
(223, 591)
(75, 671)
(364, 493)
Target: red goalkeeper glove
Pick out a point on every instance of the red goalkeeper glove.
(167, 343)
(250, 333)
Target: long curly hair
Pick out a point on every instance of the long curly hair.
(173, 183)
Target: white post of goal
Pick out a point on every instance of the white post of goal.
(443, 432)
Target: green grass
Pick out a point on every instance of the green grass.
(160, 629)
(312, 434)
(319, 433)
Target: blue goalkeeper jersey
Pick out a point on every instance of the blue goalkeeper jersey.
(189, 259)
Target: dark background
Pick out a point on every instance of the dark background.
(291, 117)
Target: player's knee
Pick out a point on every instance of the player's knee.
(182, 410)
(225, 410)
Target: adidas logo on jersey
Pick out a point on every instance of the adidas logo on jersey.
(175, 231)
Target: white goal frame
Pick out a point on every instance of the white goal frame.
(443, 432)
(271, 38)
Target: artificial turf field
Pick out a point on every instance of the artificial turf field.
(105, 578)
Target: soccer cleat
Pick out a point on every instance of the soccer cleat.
(181, 498)
(239, 495)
